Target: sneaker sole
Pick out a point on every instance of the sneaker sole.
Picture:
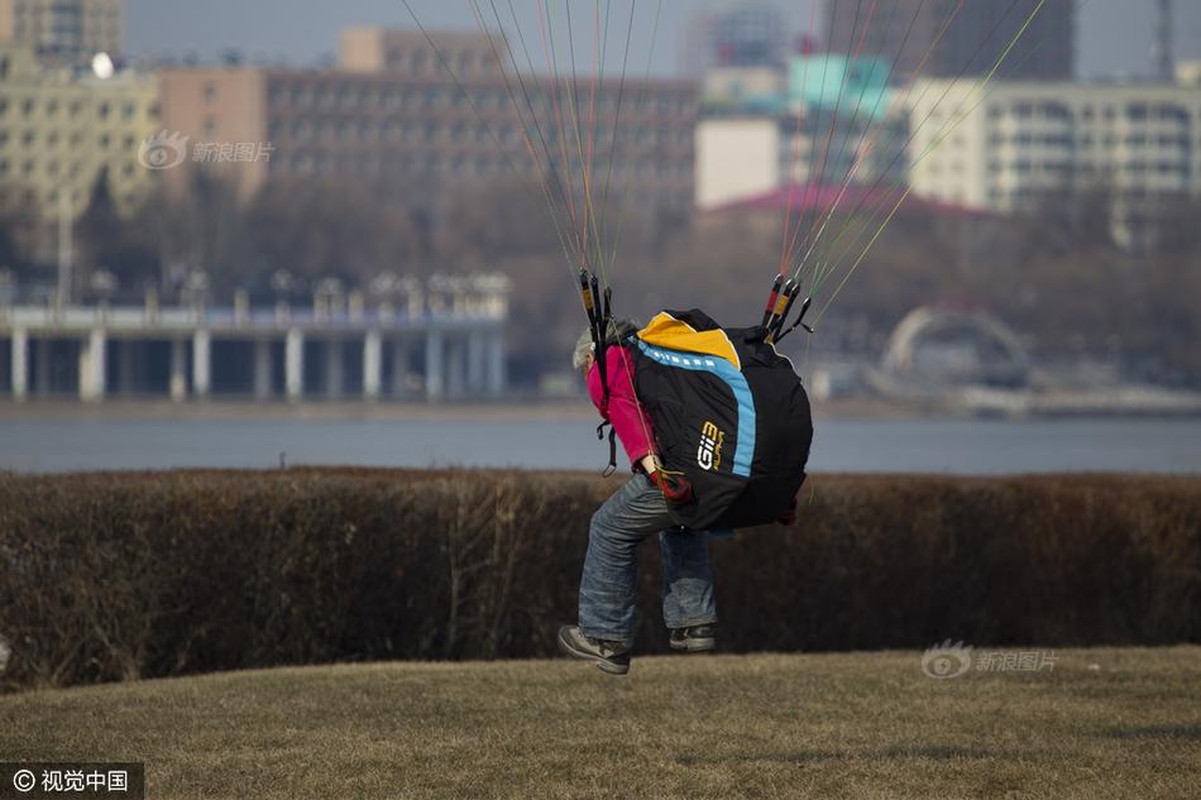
(695, 645)
(603, 664)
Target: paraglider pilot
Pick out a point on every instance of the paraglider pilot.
(641, 508)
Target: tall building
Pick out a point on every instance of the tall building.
(57, 132)
(391, 115)
(744, 33)
(1022, 142)
(67, 32)
(943, 39)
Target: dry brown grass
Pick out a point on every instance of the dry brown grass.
(857, 725)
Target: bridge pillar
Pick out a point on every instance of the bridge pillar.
(92, 366)
(373, 358)
(434, 366)
(294, 365)
(179, 380)
(20, 363)
(202, 372)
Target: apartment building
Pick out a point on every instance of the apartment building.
(392, 114)
(59, 130)
(64, 32)
(1010, 146)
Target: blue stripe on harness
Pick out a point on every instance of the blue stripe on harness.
(723, 369)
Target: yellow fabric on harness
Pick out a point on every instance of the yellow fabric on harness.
(670, 333)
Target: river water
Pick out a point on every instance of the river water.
(960, 447)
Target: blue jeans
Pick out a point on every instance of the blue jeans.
(609, 586)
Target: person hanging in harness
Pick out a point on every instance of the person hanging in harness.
(681, 395)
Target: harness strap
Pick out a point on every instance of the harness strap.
(600, 435)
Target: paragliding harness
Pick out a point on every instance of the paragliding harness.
(729, 412)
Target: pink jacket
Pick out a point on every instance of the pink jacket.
(632, 425)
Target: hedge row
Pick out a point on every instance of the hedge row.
(112, 576)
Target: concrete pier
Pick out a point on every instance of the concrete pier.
(435, 371)
(93, 367)
(202, 372)
(178, 382)
(20, 363)
(294, 365)
(373, 358)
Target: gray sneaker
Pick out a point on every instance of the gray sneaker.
(694, 639)
(610, 657)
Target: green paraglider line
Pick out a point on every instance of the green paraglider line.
(811, 239)
(935, 143)
(827, 266)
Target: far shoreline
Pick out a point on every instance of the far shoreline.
(507, 409)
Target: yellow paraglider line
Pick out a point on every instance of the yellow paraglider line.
(930, 148)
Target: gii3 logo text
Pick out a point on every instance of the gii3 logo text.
(708, 453)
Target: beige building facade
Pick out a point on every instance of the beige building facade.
(58, 132)
(1009, 147)
(67, 32)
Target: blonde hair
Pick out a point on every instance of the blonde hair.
(618, 330)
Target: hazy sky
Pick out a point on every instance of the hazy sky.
(1114, 36)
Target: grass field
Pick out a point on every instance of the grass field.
(1105, 723)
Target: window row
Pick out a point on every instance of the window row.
(53, 139)
(515, 96)
(1027, 139)
(75, 108)
(462, 62)
(56, 169)
(413, 130)
(1026, 166)
(1133, 112)
(462, 166)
